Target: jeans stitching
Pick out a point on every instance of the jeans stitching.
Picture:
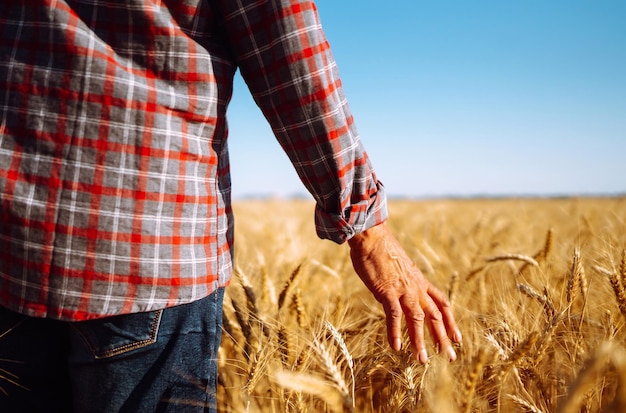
(126, 347)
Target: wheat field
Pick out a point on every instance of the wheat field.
(538, 288)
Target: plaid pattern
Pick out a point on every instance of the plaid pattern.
(114, 173)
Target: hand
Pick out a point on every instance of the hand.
(397, 283)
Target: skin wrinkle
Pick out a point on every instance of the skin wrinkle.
(418, 318)
(402, 289)
(395, 258)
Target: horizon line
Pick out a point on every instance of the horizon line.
(479, 195)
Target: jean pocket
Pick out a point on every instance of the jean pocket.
(117, 335)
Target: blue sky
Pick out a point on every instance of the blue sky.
(467, 97)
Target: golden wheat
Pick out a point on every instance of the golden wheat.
(540, 333)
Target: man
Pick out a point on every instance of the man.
(116, 228)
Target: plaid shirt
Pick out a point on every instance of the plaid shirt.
(114, 173)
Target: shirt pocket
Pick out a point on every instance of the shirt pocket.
(118, 335)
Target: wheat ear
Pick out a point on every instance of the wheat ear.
(316, 386)
(618, 290)
(525, 405)
(514, 257)
(454, 285)
(472, 380)
(285, 291)
(344, 350)
(622, 269)
(299, 308)
(594, 368)
(544, 298)
(542, 254)
(332, 370)
(520, 351)
(577, 278)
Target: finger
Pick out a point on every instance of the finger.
(437, 328)
(393, 315)
(415, 317)
(442, 302)
(434, 319)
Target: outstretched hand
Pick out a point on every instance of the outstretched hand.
(397, 283)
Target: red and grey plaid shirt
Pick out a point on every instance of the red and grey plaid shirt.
(114, 173)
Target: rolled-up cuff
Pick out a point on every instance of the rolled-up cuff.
(352, 220)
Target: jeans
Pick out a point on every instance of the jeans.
(159, 361)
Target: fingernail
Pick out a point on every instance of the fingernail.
(458, 338)
(397, 344)
(451, 354)
(423, 355)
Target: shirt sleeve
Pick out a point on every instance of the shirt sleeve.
(286, 61)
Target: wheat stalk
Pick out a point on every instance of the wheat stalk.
(244, 324)
(546, 338)
(604, 271)
(452, 289)
(542, 254)
(472, 273)
(593, 370)
(253, 376)
(513, 257)
(526, 405)
(517, 374)
(519, 352)
(472, 379)
(543, 299)
(610, 323)
(313, 385)
(344, 350)
(332, 369)
(325, 268)
(9, 378)
(269, 290)
(248, 289)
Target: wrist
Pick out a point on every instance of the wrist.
(367, 238)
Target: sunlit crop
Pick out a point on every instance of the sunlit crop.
(538, 288)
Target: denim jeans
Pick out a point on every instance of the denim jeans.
(159, 361)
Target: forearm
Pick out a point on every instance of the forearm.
(286, 61)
